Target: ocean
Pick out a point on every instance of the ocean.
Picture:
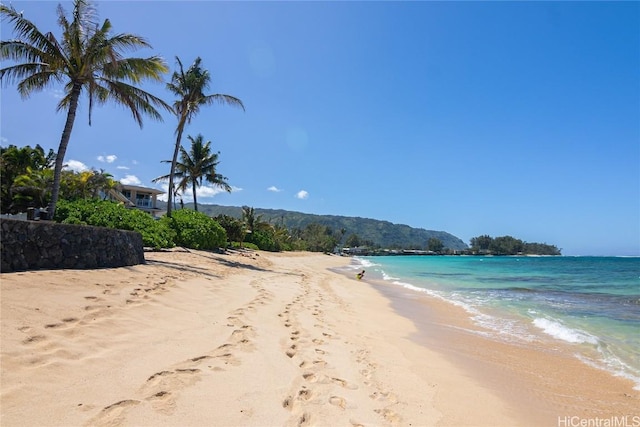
(589, 304)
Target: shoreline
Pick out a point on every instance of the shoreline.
(545, 382)
(254, 338)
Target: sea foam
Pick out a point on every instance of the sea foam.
(564, 333)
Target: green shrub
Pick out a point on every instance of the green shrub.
(245, 245)
(196, 230)
(264, 240)
(104, 213)
(233, 226)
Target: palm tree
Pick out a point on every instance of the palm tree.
(14, 162)
(249, 218)
(189, 88)
(31, 189)
(197, 164)
(88, 58)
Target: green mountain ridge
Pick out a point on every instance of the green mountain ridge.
(383, 233)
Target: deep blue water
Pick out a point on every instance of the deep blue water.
(589, 303)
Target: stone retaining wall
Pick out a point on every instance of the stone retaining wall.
(32, 245)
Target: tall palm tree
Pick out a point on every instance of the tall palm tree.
(195, 166)
(189, 88)
(86, 58)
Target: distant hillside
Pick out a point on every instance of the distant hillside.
(384, 233)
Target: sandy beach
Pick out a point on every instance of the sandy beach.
(194, 338)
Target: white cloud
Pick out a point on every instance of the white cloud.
(302, 195)
(130, 180)
(164, 187)
(4, 140)
(202, 193)
(107, 159)
(274, 189)
(122, 167)
(75, 166)
(207, 191)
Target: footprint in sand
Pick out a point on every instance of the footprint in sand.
(384, 396)
(121, 404)
(34, 339)
(53, 325)
(344, 383)
(311, 377)
(162, 383)
(388, 415)
(286, 403)
(113, 414)
(304, 394)
(291, 352)
(304, 419)
(338, 401)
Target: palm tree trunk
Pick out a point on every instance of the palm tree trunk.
(62, 149)
(195, 201)
(170, 201)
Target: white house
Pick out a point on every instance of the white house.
(142, 198)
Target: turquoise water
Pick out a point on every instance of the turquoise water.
(591, 304)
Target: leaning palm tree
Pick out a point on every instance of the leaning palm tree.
(189, 88)
(86, 58)
(195, 166)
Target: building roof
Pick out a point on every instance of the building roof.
(142, 189)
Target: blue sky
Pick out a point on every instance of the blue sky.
(499, 118)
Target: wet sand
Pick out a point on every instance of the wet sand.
(543, 381)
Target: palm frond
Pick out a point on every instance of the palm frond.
(23, 28)
(126, 42)
(223, 99)
(136, 69)
(36, 79)
(137, 100)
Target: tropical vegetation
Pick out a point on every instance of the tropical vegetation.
(196, 230)
(196, 165)
(508, 245)
(347, 231)
(26, 176)
(105, 213)
(189, 87)
(86, 57)
(18, 165)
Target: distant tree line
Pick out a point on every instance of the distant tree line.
(353, 231)
(508, 245)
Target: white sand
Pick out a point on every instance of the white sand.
(201, 339)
